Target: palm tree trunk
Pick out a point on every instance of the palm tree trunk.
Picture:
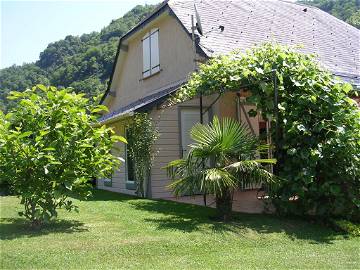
(224, 205)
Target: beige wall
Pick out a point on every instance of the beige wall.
(119, 177)
(168, 145)
(228, 108)
(176, 61)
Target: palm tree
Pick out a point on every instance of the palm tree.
(222, 157)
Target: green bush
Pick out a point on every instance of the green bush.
(347, 227)
(50, 149)
(319, 138)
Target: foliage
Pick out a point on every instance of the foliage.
(346, 10)
(319, 141)
(84, 62)
(115, 231)
(19, 78)
(141, 136)
(222, 157)
(49, 149)
(347, 227)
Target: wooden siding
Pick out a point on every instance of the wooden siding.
(168, 145)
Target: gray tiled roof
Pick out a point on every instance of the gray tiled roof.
(252, 22)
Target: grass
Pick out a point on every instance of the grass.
(117, 231)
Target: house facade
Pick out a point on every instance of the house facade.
(156, 57)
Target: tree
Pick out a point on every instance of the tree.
(50, 149)
(346, 10)
(141, 136)
(318, 151)
(84, 62)
(222, 157)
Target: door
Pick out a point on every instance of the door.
(189, 117)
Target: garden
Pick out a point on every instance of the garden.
(52, 148)
(123, 232)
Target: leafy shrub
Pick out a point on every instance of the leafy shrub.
(50, 149)
(319, 137)
(347, 227)
(141, 135)
(221, 159)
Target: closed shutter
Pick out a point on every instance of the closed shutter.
(146, 55)
(189, 117)
(154, 44)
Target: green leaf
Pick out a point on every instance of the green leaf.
(42, 87)
(252, 113)
(55, 162)
(49, 149)
(86, 145)
(25, 134)
(100, 108)
(118, 138)
(44, 132)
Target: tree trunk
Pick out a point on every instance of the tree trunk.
(224, 205)
(30, 209)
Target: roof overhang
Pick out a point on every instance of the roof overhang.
(142, 104)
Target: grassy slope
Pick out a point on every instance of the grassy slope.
(115, 231)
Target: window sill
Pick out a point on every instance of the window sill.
(130, 185)
(151, 75)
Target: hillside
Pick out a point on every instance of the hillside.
(346, 10)
(85, 62)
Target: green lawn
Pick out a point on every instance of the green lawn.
(116, 231)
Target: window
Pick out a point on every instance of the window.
(108, 182)
(189, 117)
(150, 43)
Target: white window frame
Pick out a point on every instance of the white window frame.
(151, 53)
(182, 111)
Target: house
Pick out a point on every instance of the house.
(156, 57)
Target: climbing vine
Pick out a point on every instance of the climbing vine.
(319, 138)
(141, 137)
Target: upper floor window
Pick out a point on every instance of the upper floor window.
(150, 43)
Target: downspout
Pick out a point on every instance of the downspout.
(201, 98)
(238, 112)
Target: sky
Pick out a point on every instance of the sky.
(27, 27)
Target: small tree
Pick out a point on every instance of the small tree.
(222, 157)
(50, 149)
(141, 137)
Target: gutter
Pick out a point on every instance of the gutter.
(114, 119)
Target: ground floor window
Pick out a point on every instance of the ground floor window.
(189, 116)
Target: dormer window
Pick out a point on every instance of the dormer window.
(150, 43)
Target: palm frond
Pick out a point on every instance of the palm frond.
(251, 172)
(226, 137)
(216, 145)
(217, 180)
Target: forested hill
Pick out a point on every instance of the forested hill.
(85, 62)
(346, 10)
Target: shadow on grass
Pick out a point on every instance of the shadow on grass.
(12, 228)
(189, 218)
(104, 195)
(168, 215)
